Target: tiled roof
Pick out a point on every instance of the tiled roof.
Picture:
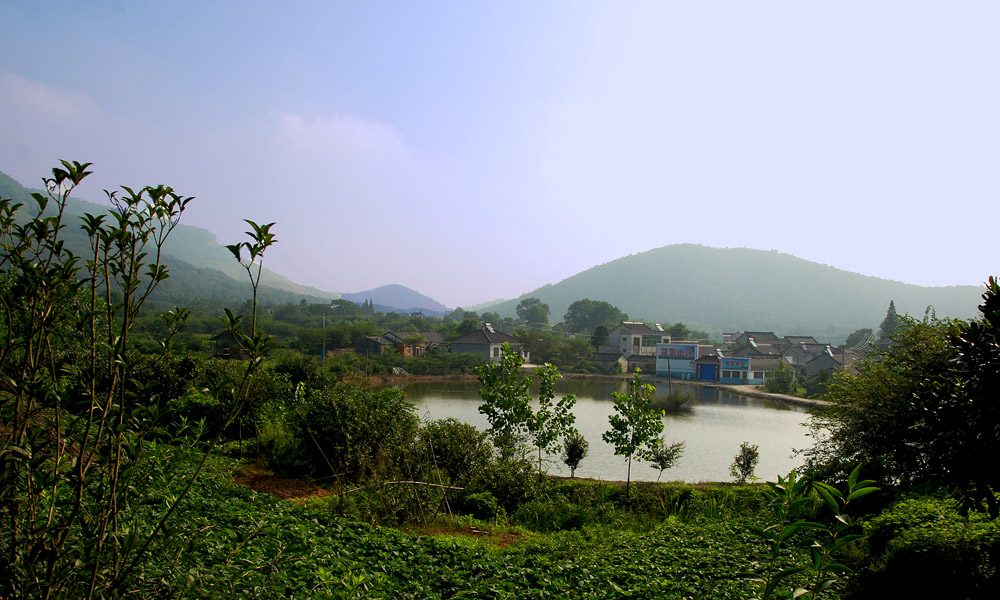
(800, 339)
(484, 336)
(764, 363)
(638, 328)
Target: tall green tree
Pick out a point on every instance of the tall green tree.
(533, 311)
(507, 405)
(962, 413)
(635, 429)
(860, 338)
(889, 324)
(679, 331)
(873, 416)
(584, 316)
(600, 337)
(80, 415)
(781, 380)
(554, 419)
(506, 395)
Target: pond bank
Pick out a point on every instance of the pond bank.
(752, 391)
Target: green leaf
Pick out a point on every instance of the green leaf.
(798, 503)
(827, 497)
(789, 531)
(861, 493)
(852, 479)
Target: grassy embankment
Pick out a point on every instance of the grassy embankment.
(671, 541)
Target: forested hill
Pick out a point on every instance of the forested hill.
(397, 298)
(201, 269)
(731, 289)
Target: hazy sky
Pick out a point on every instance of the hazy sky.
(478, 150)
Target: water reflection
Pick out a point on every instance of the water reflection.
(712, 430)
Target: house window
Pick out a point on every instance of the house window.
(496, 351)
(758, 374)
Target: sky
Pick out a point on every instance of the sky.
(475, 150)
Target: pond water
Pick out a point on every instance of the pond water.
(712, 430)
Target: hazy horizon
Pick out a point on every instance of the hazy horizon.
(477, 151)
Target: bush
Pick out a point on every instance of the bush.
(354, 431)
(925, 548)
(745, 462)
(481, 505)
(195, 406)
(513, 483)
(673, 402)
(458, 449)
(278, 444)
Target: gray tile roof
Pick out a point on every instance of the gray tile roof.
(484, 336)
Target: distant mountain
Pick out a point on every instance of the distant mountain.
(730, 289)
(396, 298)
(201, 269)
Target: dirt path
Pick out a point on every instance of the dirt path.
(261, 479)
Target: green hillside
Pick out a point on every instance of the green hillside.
(201, 269)
(731, 289)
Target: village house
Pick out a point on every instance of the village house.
(487, 342)
(372, 345)
(406, 343)
(610, 362)
(634, 337)
(677, 360)
(409, 343)
(833, 360)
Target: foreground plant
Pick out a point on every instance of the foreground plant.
(575, 449)
(664, 455)
(77, 422)
(787, 497)
(507, 405)
(744, 463)
(634, 429)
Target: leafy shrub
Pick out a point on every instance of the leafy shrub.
(277, 443)
(195, 406)
(738, 502)
(674, 402)
(356, 432)
(513, 483)
(745, 462)
(555, 513)
(481, 505)
(924, 548)
(575, 448)
(268, 386)
(461, 451)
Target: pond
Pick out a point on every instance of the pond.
(712, 430)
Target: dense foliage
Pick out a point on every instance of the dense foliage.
(634, 428)
(108, 485)
(923, 412)
(873, 415)
(79, 413)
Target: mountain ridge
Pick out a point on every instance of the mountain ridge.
(728, 289)
(398, 297)
(711, 289)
